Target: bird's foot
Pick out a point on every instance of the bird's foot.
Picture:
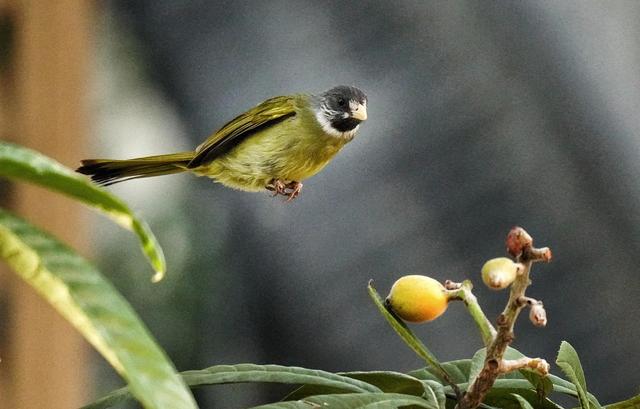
(278, 187)
(291, 189)
(295, 188)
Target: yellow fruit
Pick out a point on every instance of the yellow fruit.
(417, 298)
(499, 273)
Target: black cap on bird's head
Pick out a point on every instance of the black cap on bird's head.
(341, 110)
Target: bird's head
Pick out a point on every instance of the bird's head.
(340, 111)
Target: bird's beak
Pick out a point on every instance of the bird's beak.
(360, 112)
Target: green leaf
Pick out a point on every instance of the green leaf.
(222, 374)
(17, 162)
(434, 392)
(425, 375)
(632, 403)
(409, 338)
(504, 399)
(563, 386)
(477, 361)
(543, 384)
(569, 362)
(512, 383)
(310, 390)
(276, 374)
(458, 370)
(95, 308)
(390, 382)
(524, 404)
(353, 401)
(499, 393)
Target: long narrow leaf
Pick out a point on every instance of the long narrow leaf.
(222, 374)
(632, 403)
(390, 382)
(458, 370)
(517, 384)
(95, 308)
(434, 392)
(524, 404)
(353, 401)
(409, 338)
(24, 164)
(504, 399)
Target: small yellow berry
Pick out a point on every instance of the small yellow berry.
(417, 298)
(499, 273)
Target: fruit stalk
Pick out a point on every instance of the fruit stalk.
(462, 291)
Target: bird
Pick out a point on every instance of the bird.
(274, 146)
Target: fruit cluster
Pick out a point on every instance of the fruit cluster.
(418, 298)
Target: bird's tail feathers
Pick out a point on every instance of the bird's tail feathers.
(109, 171)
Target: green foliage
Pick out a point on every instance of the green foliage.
(94, 307)
(391, 382)
(543, 384)
(507, 393)
(633, 403)
(524, 404)
(222, 374)
(458, 371)
(385, 389)
(570, 364)
(528, 384)
(354, 401)
(78, 291)
(19, 163)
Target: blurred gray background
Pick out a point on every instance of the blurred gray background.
(482, 115)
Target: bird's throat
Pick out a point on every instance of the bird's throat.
(345, 124)
(344, 130)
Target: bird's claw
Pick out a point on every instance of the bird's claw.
(278, 187)
(295, 188)
(291, 189)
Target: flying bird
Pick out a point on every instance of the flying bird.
(274, 146)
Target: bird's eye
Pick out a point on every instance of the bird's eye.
(341, 102)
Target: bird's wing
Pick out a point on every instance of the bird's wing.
(268, 113)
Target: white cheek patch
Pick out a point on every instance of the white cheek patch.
(330, 130)
(326, 125)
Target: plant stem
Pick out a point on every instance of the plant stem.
(462, 291)
(493, 364)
